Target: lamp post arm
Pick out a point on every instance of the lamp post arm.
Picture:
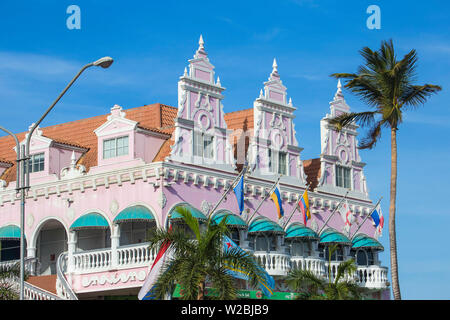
(35, 125)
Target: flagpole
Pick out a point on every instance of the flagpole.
(373, 209)
(244, 169)
(293, 211)
(264, 199)
(345, 196)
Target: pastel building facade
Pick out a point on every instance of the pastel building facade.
(99, 185)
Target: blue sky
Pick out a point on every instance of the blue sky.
(152, 41)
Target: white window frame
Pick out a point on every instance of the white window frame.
(275, 161)
(115, 149)
(341, 179)
(200, 148)
(32, 162)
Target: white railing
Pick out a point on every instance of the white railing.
(63, 288)
(276, 264)
(373, 277)
(130, 256)
(135, 255)
(31, 292)
(92, 261)
(315, 265)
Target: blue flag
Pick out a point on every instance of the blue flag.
(267, 283)
(239, 191)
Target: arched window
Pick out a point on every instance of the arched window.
(361, 258)
(297, 249)
(261, 243)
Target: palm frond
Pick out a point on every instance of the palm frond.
(372, 137)
(416, 95)
(347, 267)
(344, 119)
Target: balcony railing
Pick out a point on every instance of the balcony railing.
(105, 259)
(276, 264)
(372, 277)
(315, 265)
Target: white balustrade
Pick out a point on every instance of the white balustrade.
(130, 256)
(135, 255)
(92, 261)
(374, 277)
(315, 265)
(276, 264)
(31, 292)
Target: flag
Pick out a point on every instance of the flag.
(267, 283)
(276, 197)
(346, 214)
(303, 203)
(239, 192)
(378, 219)
(146, 292)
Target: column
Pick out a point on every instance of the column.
(115, 240)
(71, 248)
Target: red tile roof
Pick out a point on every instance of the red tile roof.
(312, 171)
(155, 117)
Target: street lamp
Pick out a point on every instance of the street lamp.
(104, 62)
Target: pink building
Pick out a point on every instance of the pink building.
(99, 184)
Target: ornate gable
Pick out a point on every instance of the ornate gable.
(274, 130)
(341, 166)
(200, 120)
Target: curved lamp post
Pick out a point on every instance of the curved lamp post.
(104, 62)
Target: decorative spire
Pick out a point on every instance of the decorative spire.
(339, 94)
(201, 48)
(73, 160)
(274, 70)
(218, 81)
(185, 72)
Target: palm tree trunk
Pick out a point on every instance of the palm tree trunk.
(201, 291)
(392, 232)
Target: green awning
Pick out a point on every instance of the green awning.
(300, 231)
(91, 220)
(232, 220)
(364, 241)
(175, 215)
(135, 213)
(10, 233)
(263, 224)
(330, 236)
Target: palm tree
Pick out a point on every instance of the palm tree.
(200, 258)
(386, 85)
(8, 275)
(312, 287)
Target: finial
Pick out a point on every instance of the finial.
(339, 90)
(218, 81)
(73, 160)
(290, 101)
(274, 70)
(261, 95)
(185, 72)
(201, 42)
